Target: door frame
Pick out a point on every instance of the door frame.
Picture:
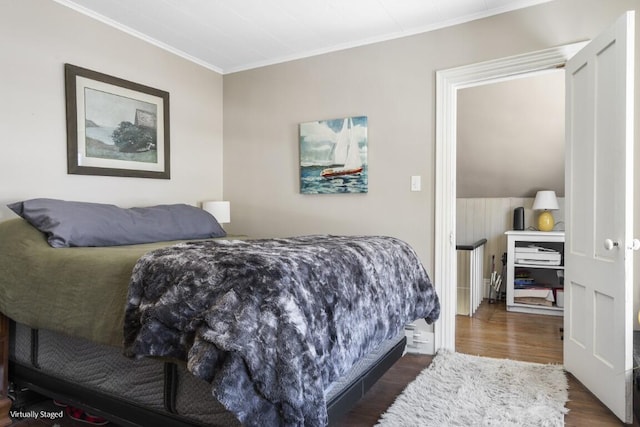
(448, 82)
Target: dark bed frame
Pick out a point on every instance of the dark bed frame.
(5, 403)
(125, 413)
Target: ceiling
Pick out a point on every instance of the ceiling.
(235, 35)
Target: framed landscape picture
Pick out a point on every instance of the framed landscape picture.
(115, 127)
(333, 156)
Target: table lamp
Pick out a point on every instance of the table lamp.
(220, 210)
(545, 201)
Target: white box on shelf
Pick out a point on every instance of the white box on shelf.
(546, 258)
(560, 297)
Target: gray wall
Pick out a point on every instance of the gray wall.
(510, 137)
(393, 83)
(36, 38)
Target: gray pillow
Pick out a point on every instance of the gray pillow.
(94, 224)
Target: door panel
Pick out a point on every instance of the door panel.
(604, 344)
(581, 214)
(578, 327)
(599, 204)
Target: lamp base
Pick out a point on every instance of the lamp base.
(545, 221)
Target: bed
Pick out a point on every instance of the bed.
(216, 331)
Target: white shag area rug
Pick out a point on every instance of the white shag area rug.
(463, 390)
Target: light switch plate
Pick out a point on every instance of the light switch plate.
(416, 183)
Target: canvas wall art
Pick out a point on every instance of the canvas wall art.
(333, 156)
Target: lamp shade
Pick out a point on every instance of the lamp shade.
(220, 210)
(545, 200)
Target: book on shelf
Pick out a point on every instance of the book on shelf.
(533, 301)
(523, 283)
(533, 292)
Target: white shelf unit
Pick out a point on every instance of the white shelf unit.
(549, 239)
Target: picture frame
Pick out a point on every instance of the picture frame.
(115, 127)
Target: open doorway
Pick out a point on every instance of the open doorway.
(598, 348)
(510, 144)
(448, 83)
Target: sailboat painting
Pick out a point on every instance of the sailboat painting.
(333, 156)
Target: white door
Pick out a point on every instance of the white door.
(598, 322)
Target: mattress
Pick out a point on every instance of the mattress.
(103, 369)
(39, 283)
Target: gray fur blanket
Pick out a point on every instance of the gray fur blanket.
(271, 323)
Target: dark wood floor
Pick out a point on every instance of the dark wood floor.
(491, 332)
